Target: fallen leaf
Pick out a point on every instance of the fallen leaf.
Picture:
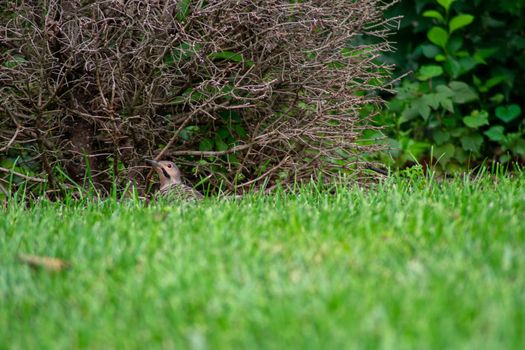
(44, 262)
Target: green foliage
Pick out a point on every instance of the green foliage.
(184, 10)
(463, 104)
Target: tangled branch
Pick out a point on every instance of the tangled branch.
(232, 89)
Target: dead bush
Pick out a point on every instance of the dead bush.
(238, 92)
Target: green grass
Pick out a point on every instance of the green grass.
(406, 265)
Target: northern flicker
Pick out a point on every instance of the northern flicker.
(171, 184)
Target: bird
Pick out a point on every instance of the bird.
(171, 184)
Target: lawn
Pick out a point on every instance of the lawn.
(403, 265)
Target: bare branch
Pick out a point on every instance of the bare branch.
(25, 177)
(266, 91)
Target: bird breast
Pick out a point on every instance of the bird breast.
(180, 192)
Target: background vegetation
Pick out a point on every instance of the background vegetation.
(237, 108)
(241, 93)
(463, 102)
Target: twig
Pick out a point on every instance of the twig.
(18, 129)
(211, 153)
(266, 173)
(26, 177)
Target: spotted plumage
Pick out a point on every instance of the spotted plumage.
(171, 185)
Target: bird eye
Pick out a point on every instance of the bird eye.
(169, 165)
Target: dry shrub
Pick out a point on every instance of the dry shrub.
(238, 92)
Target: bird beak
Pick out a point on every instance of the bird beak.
(153, 163)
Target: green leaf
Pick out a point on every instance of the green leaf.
(434, 14)
(459, 22)
(453, 67)
(513, 137)
(354, 52)
(519, 147)
(220, 144)
(431, 100)
(444, 96)
(467, 64)
(444, 153)
(429, 72)
(223, 133)
(492, 82)
(472, 142)
(460, 155)
(498, 98)
(241, 132)
(455, 44)
(482, 54)
(205, 145)
(232, 158)
(458, 132)
(476, 119)
(419, 106)
(15, 61)
(446, 4)
(462, 92)
(504, 158)
(441, 137)
(448, 105)
(183, 51)
(188, 96)
(449, 122)
(415, 149)
(496, 133)
(409, 113)
(438, 36)
(187, 133)
(430, 51)
(445, 90)
(184, 10)
(508, 113)
(230, 56)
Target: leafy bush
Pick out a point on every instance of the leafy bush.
(464, 101)
(241, 92)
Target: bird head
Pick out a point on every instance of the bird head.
(169, 173)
